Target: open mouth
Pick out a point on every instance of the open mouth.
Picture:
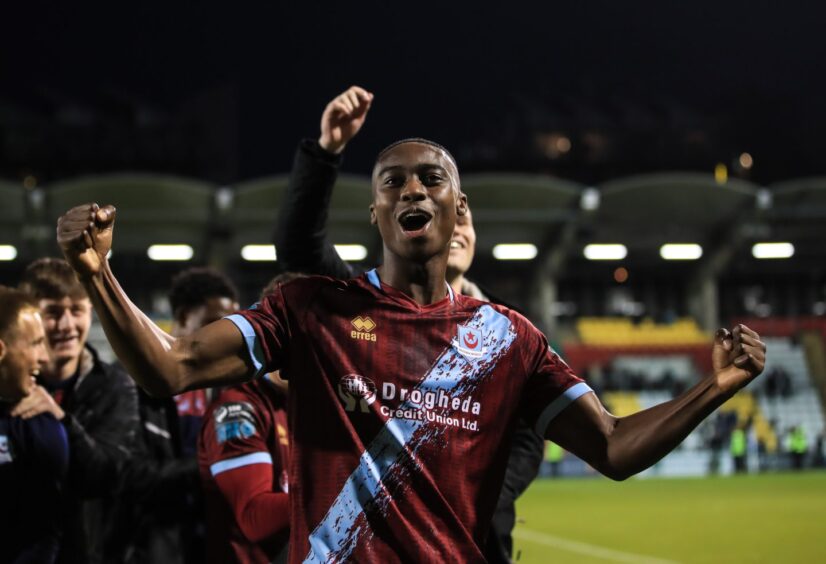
(63, 341)
(456, 244)
(414, 221)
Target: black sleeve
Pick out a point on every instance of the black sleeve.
(101, 447)
(301, 232)
(523, 463)
(156, 472)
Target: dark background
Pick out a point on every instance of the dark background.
(222, 91)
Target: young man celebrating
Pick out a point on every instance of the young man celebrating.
(95, 401)
(303, 246)
(403, 394)
(34, 452)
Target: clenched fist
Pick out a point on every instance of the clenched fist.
(738, 357)
(343, 118)
(84, 234)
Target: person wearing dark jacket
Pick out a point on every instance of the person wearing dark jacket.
(96, 403)
(161, 517)
(303, 246)
(34, 451)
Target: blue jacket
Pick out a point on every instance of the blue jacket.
(34, 457)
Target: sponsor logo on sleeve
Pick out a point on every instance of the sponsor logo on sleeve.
(356, 391)
(363, 329)
(5, 450)
(234, 420)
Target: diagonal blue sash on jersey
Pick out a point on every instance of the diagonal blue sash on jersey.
(338, 533)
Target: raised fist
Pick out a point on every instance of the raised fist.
(343, 118)
(738, 357)
(84, 234)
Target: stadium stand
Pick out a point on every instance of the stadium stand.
(152, 208)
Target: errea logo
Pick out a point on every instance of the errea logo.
(363, 329)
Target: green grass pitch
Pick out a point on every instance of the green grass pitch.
(766, 518)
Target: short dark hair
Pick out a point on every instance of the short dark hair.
(194, 286)
(421, 140)
(12, 303)
(51, 279)
(282, 278)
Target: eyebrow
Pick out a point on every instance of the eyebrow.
(417, 167)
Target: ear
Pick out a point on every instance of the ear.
(461, 204)
(3, 350)
(373, 219)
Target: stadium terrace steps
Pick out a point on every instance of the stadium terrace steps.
(604, 340)
(622, 331)
(678, 366)
(581, 357)
(803, 408)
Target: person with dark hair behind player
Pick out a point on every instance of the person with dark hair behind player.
(394, 377)
(243, 454)
(301, 240)
(161, 517)
(34, 452)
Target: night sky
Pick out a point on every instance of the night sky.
(482, 79)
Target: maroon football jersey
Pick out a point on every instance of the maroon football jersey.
(245, 428)
(401, 415)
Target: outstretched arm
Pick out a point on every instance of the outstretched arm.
(301, 230)
(159, 363)
(619, 447)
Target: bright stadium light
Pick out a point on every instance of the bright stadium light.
(257, 253)
(170, 252)
(681, 251)
(605, 251)
(8, 252)
(514, 251)
(772, 250)
(351, 252)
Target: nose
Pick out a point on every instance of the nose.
(42, 355)
(64, 322)
(414, 190)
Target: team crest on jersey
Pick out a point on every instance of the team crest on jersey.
(5, 450)
(363, 329)
(468, 342)
(356, 390)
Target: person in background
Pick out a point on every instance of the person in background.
(34, 451)
(737, 448)
(798, 446)
(162, 520)
(95, 401)
(554, 455)
(243, 454)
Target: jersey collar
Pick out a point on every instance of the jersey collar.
(373, 278)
